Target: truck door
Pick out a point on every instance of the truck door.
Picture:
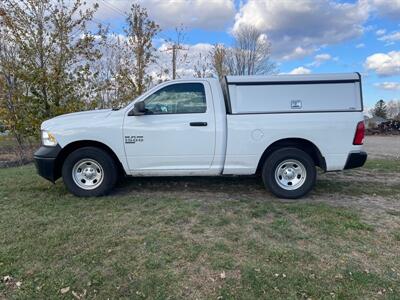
(177, 132)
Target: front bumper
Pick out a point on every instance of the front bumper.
(45, 161)
(356, 159)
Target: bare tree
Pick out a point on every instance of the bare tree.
(250, 54)
(114, 81)
(202, 68)
(218, 55)
(393, 109)
(141, 32)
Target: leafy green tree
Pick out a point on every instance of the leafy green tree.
(13, 109)
(54, 48)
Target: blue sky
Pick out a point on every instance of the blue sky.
(307, 36)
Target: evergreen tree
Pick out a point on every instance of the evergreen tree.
(380, 109)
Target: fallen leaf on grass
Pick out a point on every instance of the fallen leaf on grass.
(64, 290)
(79, 296)
(139, 293)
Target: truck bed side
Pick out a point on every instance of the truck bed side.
(249, 135)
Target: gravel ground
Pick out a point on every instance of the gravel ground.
(383, 147)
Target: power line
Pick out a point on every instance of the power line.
(115, 9)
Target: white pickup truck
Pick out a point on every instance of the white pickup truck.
(280, 127)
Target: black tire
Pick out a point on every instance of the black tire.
(286, 154)
(103, 159)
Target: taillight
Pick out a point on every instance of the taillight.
(360, 134)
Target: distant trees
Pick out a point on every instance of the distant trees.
(387, 110)
(202, 67)
(393, 109)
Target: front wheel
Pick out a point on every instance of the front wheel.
(289, 173)
(89, 172)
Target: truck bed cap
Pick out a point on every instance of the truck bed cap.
(293, 78)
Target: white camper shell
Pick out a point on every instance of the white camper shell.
(300, 93)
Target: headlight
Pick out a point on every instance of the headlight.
(48, 139)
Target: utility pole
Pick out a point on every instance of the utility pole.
(174, 48)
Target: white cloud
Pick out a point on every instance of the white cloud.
(298, 28)
(388, 85)
(391, 37)
(319, 59)
(360, 45)
(323, 57)
(207, 14)
(298, 52)
(300, 70)
(387, 8)
(380, 32)
(384, 64)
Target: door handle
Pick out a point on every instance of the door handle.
(198, 123)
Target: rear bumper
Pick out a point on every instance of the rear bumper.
(45, 162)
(356, 160)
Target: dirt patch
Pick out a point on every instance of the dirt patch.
(382, 147)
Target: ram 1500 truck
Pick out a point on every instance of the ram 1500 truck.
(281, 127)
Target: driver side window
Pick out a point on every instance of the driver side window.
(180, 98)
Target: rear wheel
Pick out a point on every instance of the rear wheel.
(89, 172)
(289, 173)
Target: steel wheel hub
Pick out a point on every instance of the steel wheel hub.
(290, 174)
(87, 174)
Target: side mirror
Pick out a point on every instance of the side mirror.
(139, 109)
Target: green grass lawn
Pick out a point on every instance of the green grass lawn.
(196, 238)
